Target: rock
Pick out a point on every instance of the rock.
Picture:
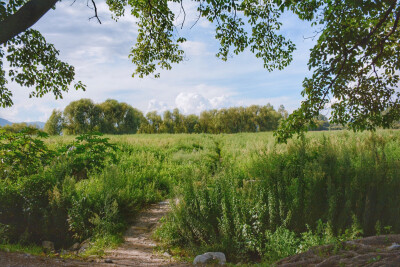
(91, 258)
(166, 254)
(84, 245)
(63, 252)
(210, 256)
(75, 247)
(72, 148)
(108, 261)
(394, 246)
(48, 246)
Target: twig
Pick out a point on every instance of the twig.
(95, 12)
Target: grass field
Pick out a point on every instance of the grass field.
(241, 194)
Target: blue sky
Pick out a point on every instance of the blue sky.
(99, 54)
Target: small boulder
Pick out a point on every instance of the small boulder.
(48, 246)
(108, 261)
(210, 256)
(92, 258)
(75, 247)
(84, 245)
(394, 246)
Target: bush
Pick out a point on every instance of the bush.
(258, 209)
(23, 153)
(89, 152)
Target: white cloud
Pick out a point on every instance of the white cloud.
(194, 48)
(159, 106)
(189, 103)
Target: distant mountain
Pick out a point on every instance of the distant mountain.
(39, 124)
(4, 122)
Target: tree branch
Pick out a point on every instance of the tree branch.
(24, 18)
(95, 12)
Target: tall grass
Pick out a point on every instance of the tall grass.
(344, 181)
(241, 194)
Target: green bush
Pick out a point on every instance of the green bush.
(281, 194)
(89, 152)
(23, 153)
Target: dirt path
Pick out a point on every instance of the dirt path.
(137, 249)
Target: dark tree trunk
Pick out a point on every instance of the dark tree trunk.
(24, 18)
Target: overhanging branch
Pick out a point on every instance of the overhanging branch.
(24, 18)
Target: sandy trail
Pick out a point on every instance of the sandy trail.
(137, 249)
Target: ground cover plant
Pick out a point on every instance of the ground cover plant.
(242, 194)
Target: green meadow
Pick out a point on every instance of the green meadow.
(241, 194)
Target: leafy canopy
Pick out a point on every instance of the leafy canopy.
(354, 64)
(32, 62)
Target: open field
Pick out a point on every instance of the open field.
(241, 194)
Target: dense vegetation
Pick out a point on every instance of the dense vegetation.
(241, 194)
(113, 117)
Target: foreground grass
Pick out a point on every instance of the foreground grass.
(241, 194)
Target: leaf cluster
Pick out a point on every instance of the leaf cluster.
(23, 153)
(89, 152)
(33, 62)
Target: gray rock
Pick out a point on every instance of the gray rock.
(75, 247)
(84, 245)
(394, 246)
(166, 254)
(72, 148)
(210, 256)
(48, 246)
(92, 258)
(108, 261)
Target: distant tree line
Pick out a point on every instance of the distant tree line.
(113, 117)
(226, 120)
(17, 127)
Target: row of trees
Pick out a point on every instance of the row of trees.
(82, 116)
(229, 120)
(113, 117)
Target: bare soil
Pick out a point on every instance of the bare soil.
(138, 248)
(370, 251)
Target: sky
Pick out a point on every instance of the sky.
(99, 53)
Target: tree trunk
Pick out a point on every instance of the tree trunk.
(24, 18)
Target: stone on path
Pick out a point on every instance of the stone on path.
(394, 246)
(48, 246)
(210, 256)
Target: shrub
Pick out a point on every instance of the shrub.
(23, 153)
(89, 152)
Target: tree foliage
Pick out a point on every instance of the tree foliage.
(354, 63)
(113, 117)
(33, 63)
(54, 124)
(119, 118)
(81, 116)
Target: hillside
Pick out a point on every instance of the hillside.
(40, 124)
(4, 122)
